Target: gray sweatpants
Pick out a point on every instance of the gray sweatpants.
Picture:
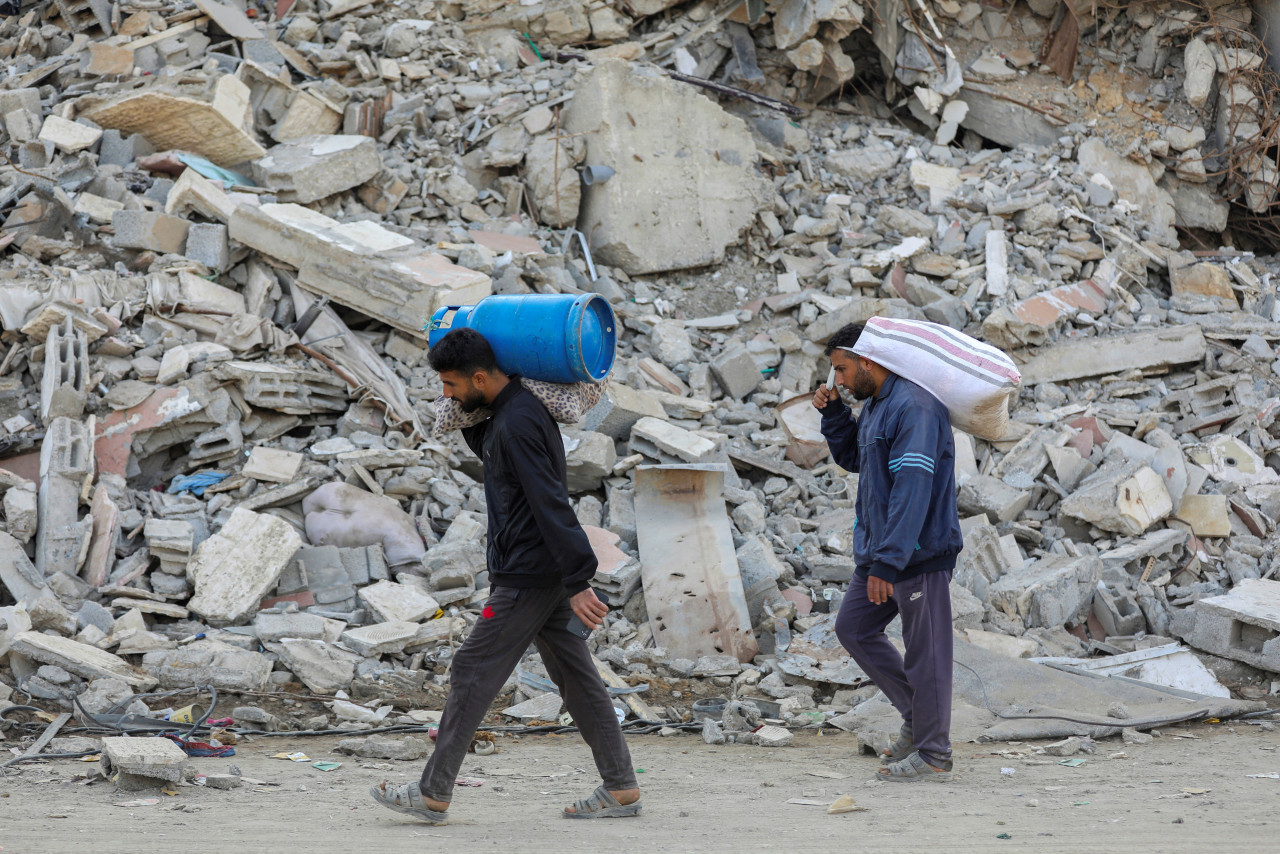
(919, 686)
(512, 619)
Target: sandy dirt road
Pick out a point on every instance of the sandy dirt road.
(1172, 795)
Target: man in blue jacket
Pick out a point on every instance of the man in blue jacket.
(906, 537)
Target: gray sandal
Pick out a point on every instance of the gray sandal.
(902, 746)
(913, 769)
(408, 800)
(601, 804)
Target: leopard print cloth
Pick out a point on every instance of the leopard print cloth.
(567, 403)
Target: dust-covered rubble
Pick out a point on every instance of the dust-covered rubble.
(222, 237)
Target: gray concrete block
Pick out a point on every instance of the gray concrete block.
(157, 759)
(159, 190)
(1243, 625)
(591, 460)
(150, 230)
(119, 149)
(986, 494)
(208, 244)
(20, 99)
(736, 371)
(315, 167)
(620, 407)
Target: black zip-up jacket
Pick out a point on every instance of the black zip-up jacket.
(535, 539)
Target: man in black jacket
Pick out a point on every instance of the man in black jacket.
(540, 565)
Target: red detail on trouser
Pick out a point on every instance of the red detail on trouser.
(487, 613)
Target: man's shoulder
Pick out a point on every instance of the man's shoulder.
(909, 398)
(524, 413)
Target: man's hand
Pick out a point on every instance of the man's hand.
(824, 396)
(589, 608)
(878, 590)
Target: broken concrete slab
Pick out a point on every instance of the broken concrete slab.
(620, 407)
(68, 136)
(669, 438)
(1127, 498)
(360, 265)
(319, 665)
(152, 230)
(1131, 180)
(1175, 345)
(236, 568)
(17, 574)
(408, 749)
(684, 185)
(80, 659)
(315, 167)
(180, 122)
(1049, 592)
(209, 662)
(394, 602)
(381, 638)
(737, 371)
(272, 464)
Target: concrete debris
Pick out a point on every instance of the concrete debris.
(234, 569)
(406, 749)
(220, 238)
(142, 763)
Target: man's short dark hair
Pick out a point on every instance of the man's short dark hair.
(846, 336)
(462, 351)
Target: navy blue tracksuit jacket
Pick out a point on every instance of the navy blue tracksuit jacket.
(904, 454)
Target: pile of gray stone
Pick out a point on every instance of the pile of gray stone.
(222, 238)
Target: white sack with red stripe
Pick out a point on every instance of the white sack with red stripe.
(975, 381)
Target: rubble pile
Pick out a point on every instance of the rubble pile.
(223, 233)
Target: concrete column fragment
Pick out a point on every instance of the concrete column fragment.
(63, 387)
(687, 555)
(66, 459)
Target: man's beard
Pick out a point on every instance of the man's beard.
(863, 385)
(473, 401)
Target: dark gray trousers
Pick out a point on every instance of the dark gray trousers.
(513, 619)
(919, 686)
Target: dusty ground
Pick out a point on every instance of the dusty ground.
(698, 798)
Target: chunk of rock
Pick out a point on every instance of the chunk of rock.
(684, 185)
(382, 747)
(235, 568)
